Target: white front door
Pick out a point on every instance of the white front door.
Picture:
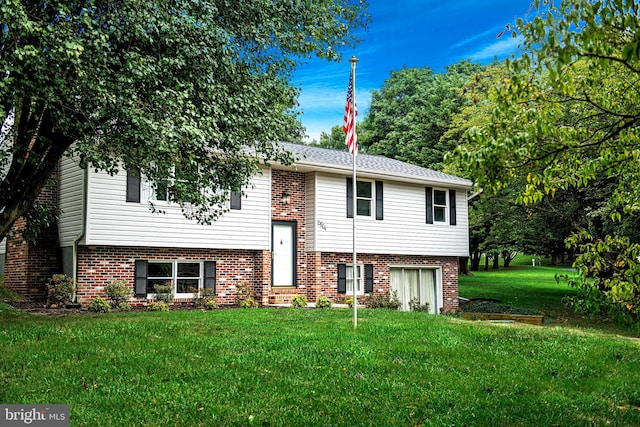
(284, 260)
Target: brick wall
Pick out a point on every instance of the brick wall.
(97, 266)
(293, 184)
(328, 273)
(28, 266)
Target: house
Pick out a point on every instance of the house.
(290, 233)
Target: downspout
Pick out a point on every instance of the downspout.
(76, 242)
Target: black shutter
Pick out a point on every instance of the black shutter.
(133, 186)
(210, 276)
(368, 278)
(349, 197)
(452, 207)
(140, 285)
(429, 194)
(342, 278)
(236, 200)
(379, 203)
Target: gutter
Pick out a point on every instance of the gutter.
(81, 235)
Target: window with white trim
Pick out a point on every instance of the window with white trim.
(359, 280)
(369, 199)
(439, 205)
(184, 277)
(364, 198)
(416, 285)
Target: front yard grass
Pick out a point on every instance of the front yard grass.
(535, 288)
(310, 367)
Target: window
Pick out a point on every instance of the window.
(367, 202)
(439, 206)
(185, 278)
(417, 285)
(140, 188)
(438, 203)
(364, 279)
(363, 198)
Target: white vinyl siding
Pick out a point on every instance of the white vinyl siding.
(71, 193)
(403, 230)
(113, 221)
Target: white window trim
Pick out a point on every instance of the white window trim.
(174, 278)
(438, 279)
(372, 200)
(349, 278)
(446, 206)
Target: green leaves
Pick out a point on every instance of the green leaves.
(139, 84)
(413, 110)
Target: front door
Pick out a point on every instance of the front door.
(283, 246)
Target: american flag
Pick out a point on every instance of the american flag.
(349, 123)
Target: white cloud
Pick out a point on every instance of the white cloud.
(499, 49)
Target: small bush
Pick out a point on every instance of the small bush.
(349, 301)
(164, 293)
(7, 294)
(206, 296)
(323, 302)
(245, 296)
(119, 292)
(99, 305)
(60, 289)
(248, 302)
(414, 305)
(387, 300)
(158, 306)
(210, 304)
(299, 301)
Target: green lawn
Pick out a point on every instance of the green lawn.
(523, 285)
(310, 367)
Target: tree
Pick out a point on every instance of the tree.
(568, 117)
(188, 94)
(411, 112)
(335, 139)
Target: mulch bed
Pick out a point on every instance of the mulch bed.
(494, 307)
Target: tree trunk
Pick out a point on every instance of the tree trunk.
(496, 261)
(463, 265)
(475, 260)
(36, 150)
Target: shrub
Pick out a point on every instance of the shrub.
(164, 293)
(158, 306)
(349, 301)
(119, 292)
(248, 302)
(323, 302)
(7, 294)
(99, 305)
(387, 300)
(299, 301)
(245, 296)
(60, 289)
(206, 297)
(414, 305)
(210, 304)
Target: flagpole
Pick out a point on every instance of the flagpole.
(353, 62)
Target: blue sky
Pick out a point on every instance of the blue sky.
(412, 33)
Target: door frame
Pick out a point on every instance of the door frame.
(294, 248)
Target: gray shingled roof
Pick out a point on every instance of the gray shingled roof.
(367, 163)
